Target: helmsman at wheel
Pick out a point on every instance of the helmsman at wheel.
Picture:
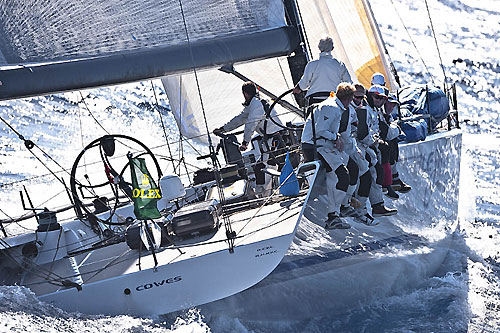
(253, 118)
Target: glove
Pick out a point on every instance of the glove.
(219, 131)
(382, 143)
(243, 146)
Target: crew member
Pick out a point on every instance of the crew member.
(253, 118)
(323, 75)
(358, 156)
(369, 138)
(330, 148)
(390, 131)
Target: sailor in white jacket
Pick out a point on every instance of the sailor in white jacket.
(376, 98)
(330, 148)
(357, 166)
(253, 118)
(323, 75)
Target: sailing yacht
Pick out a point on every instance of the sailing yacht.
(145, 243)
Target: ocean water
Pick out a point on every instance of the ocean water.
(464, 295)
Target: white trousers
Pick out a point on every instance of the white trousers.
(335, 196)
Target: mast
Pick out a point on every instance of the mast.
(298, 60)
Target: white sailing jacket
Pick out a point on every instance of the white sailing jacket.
(327, 122)
(253, 117)
(371, 122)
(324, 74)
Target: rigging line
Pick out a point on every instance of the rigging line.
(163, 126)
(283, 74)
(265, 202)
(181, 139)
(29, 145)
(92, 115)
(195, 74)
(81, 137)
(192, 147)
(196, 167)
(437, 46)
(180, 116)
(98, 123)
(413, 43)
(307, 44)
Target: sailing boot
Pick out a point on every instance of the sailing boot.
(348, 211)
(399, 185)
(389, 191)
(335, 222)
(380, 210)
(367, 219)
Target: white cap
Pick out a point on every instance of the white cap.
(377, 90)
(378, 78)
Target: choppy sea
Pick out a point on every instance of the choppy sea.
(463, 296)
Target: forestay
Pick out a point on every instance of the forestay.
(52, 46)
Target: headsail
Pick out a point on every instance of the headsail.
(49, 47)
(354, 30)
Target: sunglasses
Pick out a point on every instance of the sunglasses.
(358, 97)
(379, 97)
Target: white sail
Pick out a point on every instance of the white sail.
(354, 30)
(221, 94)
(357, 43)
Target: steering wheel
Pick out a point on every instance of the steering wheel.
(109, 151)
(268, 113)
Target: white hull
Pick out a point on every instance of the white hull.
(329, 271)
(117, 280)
(284, 241)
(178, 285)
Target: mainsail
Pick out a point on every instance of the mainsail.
(357, 43)
(53, 46)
